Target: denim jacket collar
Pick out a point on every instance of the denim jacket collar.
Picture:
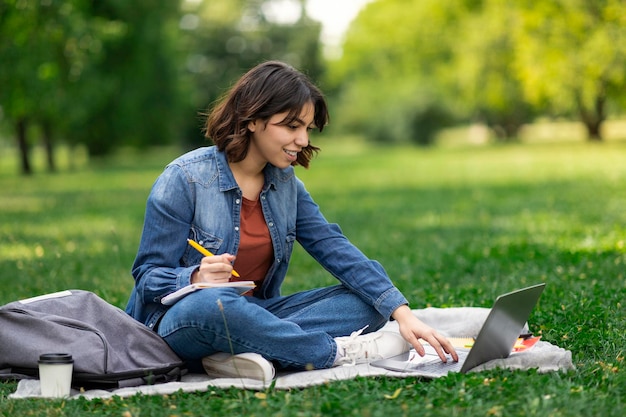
(225, 176)
(227, 180)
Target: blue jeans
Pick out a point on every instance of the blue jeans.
(294, 332)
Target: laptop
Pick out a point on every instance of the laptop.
(495, 339)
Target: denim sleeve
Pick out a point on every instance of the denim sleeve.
(157, 268)
(326, 243)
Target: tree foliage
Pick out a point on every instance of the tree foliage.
(116, 73)
(134, 82)
(394, 70)
(572, 54)
(484, 63)
(44, 48)
(88, 72)
(225, 39)
(411, 66)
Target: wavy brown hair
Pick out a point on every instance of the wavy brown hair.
(269, 88)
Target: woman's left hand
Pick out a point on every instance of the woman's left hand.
(412, 329)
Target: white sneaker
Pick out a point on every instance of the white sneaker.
(357, 348)
(243, 365)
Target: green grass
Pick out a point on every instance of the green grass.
(453, 227)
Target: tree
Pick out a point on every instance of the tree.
(491, 91)
(31, 80)
(395, 80)
(131, 92)
(572, 54)
(95, 73)
(410, 67)
(226, 38)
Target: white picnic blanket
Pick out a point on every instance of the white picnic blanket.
(452, 322)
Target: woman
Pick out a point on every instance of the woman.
(241, 200)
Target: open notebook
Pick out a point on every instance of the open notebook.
(496, 339)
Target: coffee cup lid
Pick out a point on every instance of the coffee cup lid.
(52, 358)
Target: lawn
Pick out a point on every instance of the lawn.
(453, 227)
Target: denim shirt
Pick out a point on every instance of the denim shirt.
(197, 197)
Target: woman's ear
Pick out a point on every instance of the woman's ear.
(252, 125)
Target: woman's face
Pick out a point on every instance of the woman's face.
(278, 143)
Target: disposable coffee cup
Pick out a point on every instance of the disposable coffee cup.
(55, 374)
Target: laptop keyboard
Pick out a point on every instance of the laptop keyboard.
(441, 367)
(436, 367)
(427, 366)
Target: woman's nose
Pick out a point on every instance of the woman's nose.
(302, 139)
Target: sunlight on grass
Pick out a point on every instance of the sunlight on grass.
(539, 132)
(17, 252)
(24, 204)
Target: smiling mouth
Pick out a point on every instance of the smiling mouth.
(293, 154)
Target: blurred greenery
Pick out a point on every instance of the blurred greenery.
(500, 62)
(103, 75)
(110, 74)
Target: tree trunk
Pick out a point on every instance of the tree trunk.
(47, 142)
(593, 131)
(22, 144)
(593, 118)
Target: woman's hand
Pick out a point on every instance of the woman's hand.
(214, 269)
(412, 329)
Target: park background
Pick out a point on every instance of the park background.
(474, 147)
(99, 76)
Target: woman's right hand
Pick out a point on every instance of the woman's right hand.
(214, 269)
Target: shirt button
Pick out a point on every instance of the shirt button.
(237, 229)
(237, 201)
(270, 224)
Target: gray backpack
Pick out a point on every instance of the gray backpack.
(110, 349)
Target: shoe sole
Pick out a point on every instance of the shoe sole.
(243, 365)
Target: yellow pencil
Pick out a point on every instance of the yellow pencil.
(205, 252)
